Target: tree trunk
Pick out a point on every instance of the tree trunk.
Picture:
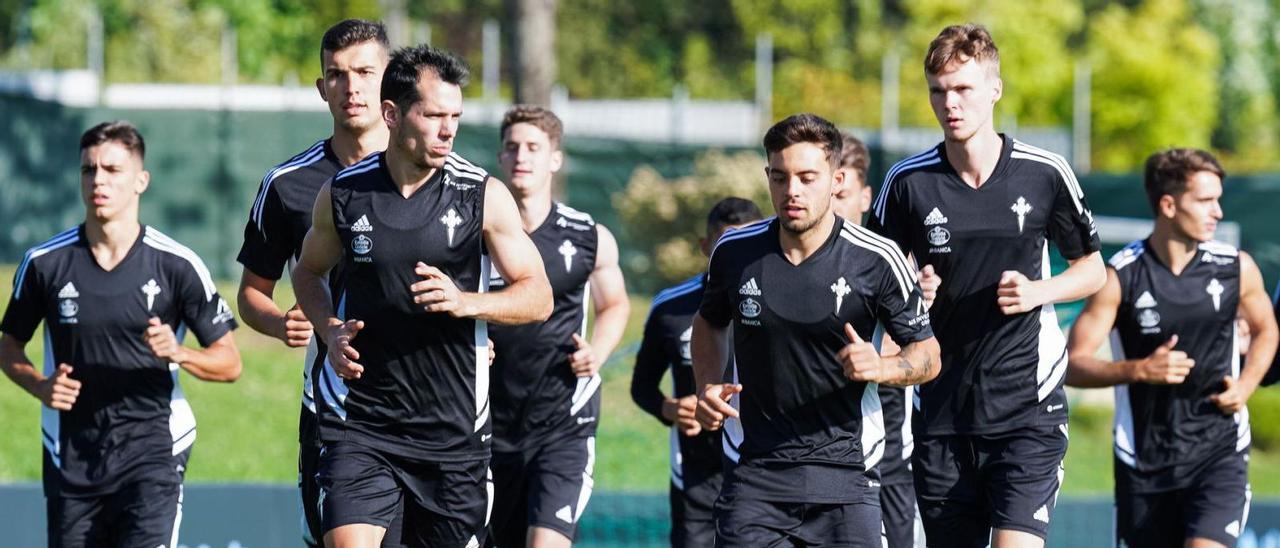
(534, 35)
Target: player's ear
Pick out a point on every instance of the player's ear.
(1168, 206)
(320, 89)
(144, 181)
(390, 114)
(866, 198)
(557, 159)
(838, 182)
(997, 89)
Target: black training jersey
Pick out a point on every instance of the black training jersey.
(279, 220)
(536, 397)
(131, 417)
(665, 345)
(424, 392)
(1159, 428)
(1273, 374)
(896, 405)
(998, 372)
(806, 432)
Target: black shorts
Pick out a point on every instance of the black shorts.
(743, 522)
(693, 521)
(146, 512)
(898, 512)
(967, 485)
(442, 503)
(1215, 507)
(547, 487)
(308, 489)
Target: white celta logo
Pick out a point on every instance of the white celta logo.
(1021, 208)
(1215, 290)
(451, 221)
(1148, 318)
(568, 251)
(151, 290)
(840, 288)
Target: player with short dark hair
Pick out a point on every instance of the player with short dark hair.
(803, 292)
(981, 208)
(696, 455)
(1169, 307)
(116, 298)
(897, 492)
(353, 55)
(403, 406)
(546, 390)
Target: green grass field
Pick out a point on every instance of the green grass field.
(248, 430)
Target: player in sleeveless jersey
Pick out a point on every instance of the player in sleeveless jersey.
(696, 455)
(804, 292)
(980, 207)
(116, 298)
(897, 492)
(403, 406)
(546, 398)
(1169, 307)
(353, 55)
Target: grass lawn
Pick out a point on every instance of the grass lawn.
(248, 430)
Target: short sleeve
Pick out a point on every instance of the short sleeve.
(268, 243)
(900, 305)
(201, 308)
(24, 311)
(717, 305)
(889, 213)
(1071, 224)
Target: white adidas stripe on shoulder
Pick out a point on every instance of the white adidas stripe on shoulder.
(1220, 248)
(162, 242)
(1127, 255)
(887, 250)
(566, 211)
(60, 240)
(461, 166)
(368, 164)
(305, 158)
(1023, 151)
(921, 159)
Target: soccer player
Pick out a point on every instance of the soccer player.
(546, 399)
(1169, 307)
(981, 207)
(353, 55)
(403, 407)
(803, 292)
(116, 298)
(1273, 374)
(897, 493)
(696, 455)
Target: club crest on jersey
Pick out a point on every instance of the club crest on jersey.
(686, 355)
(1149, 319)
(68, 308)
(451, 221)
(151, 289)
(935, 217)
(362, 245)
(567, 251)
(840, 288)
(1215, 290)
(939, 236)
(750, 309)
(1021, 208)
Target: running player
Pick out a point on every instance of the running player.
(803, 291)
(1273, 374)
(546, 399)
(404, 411)
(1169, 306)
(116, 298)
(696, 456)
(353, 55)
(897, 493)
(981, 207)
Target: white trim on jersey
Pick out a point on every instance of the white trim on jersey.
(571, 213)
(752, 229)
(332, 387)
(888, 251)
(182, 421)
(370, 163)
(587, 386)
(62, 239)
(1123, 426)
(588, 480)
(50, 418)
(1248, 501)
(158, 240)
(1244, 432)
(677, 459)
(1216, 247)
(872, 426)
(1052, 345)
(481, 342)
(306, 158)
(308, 385)
(732, 428)
(920, 159)
(908, 437)
(1127, 255)
(462, 166)
(1023, 151)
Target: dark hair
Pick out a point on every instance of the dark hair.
(854, 155)
(535, 116)
(118, 131)
(349, 32)
(732, 211)
(960, 43)
(400, 81)
(804, 128)
(1168, 171)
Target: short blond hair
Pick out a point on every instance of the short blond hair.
(960, 43)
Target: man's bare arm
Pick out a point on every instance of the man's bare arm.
(612, 306)
(259, 311)
(1017, 294)
(527, 297)
(1255, 307)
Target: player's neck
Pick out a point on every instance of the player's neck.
(1174, 250)
(351, 147)
(534, 206)
(797, 247)
(110, 241)
(407, 175)
(975, 159)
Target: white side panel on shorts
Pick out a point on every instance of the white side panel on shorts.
(308, 387)
(50, 418)
(182, 421)
(908, 437)
(587, 386)
(588, 481)
(872, 426)
(1123, 427)
(1244, 433)
(1052, 344)
(482, 352)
